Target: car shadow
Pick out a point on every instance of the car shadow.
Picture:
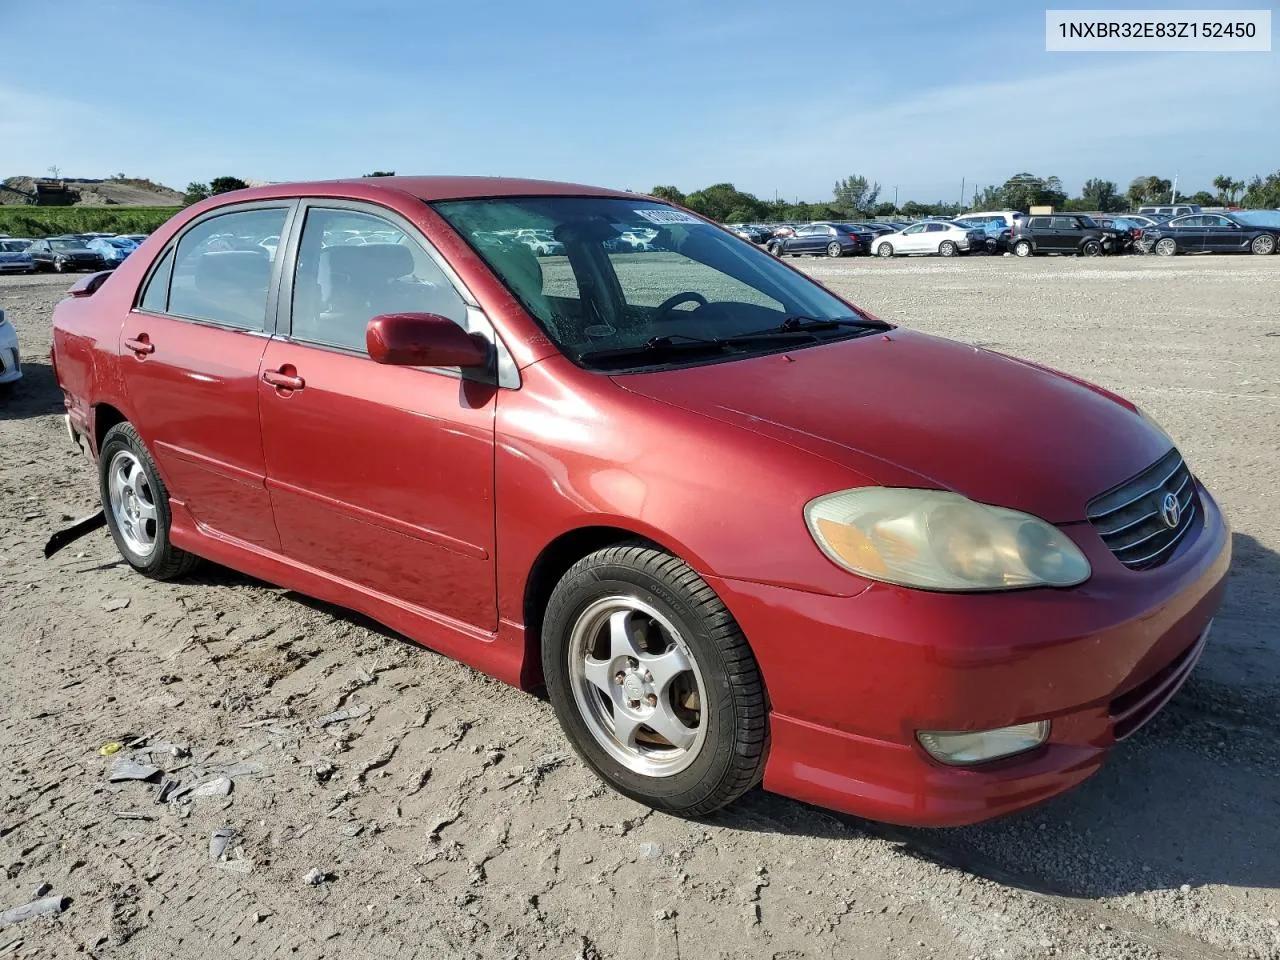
(35, 395)
(1189, 799)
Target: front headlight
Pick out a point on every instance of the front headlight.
(937, 540)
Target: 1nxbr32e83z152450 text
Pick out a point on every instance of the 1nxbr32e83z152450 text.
(1157, 31)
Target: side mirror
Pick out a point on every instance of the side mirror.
(423, 340)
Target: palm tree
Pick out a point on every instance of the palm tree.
(1223, 184)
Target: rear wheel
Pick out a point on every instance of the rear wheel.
(885, 250)
(653, 682)
(834, 249)
(1264, 244)
(1091, 248)
(947, 248)
(1166, 247)
(137, 506)
(1022, 248)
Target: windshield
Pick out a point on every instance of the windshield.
(68, 245)
(1258, 218)
(13, 246)
(619, 273)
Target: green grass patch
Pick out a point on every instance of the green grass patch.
(32, 221)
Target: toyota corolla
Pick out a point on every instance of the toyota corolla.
(740, 529)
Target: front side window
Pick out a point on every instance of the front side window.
(918, 228)
(221, 274)
(689, 281)
(354, 266)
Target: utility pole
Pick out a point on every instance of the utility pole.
(895, 196)
(1174, 198)
(962, 193)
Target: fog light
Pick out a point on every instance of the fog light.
(964, 747)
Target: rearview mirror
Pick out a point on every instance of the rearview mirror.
(423, 340)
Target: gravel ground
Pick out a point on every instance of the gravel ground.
(450, 820)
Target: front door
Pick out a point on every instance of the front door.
(912, 239)
(379, 475)
(191, 352)
(1221, 235)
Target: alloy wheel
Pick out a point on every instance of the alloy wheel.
(133, 505)
(637, 686)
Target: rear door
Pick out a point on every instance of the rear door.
(1043, 234)
(1190, 231)
(381, 476)
(190, 353)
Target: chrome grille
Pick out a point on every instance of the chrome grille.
(1130, 517)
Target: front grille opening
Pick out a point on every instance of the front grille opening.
(1132, 519)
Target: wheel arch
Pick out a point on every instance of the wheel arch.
(105, 416)
(550, 566)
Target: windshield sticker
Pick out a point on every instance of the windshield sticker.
(669, 216)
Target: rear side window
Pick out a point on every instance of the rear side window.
(221, 270)
(155, 298)
(355, 266)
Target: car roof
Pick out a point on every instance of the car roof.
(424, 188)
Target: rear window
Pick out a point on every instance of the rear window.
(220, 271)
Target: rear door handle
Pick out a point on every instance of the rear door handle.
(283, 379)
(142, 345)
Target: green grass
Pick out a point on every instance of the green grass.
(32, 221)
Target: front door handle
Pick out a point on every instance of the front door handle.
(141, 345)
(286, 378)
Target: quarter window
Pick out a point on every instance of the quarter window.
(156, 297)
(221, 274)
(355, 266)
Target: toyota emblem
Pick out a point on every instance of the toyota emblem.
(1170, 511)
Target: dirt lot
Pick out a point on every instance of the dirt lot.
(451, 821)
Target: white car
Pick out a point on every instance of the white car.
(930, 236)
(10, 358)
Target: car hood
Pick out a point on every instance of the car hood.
(907, 409)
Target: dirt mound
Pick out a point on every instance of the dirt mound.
(129, 192)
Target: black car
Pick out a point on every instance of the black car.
(64, 253)
(819, 239)
(1063, 233)
(1249, 231)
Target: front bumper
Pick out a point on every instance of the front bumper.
(16, 266)
(851, 679)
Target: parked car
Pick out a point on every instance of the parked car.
(1169, 209)
(876, 227)
(783, 230)
(14, 257)
(1064, 233)
(929, 236)
(1246, 231)
(997, 570)
(113, 249)
(137, 238)
(823, 239)
(64, 253)
(1008, 218)
(994, 227)
(10, 356)
(750, 232)
(1128, 229)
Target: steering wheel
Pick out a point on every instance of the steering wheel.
(669, 304)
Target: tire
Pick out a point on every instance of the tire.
(834, 250)
(885, 250)
(775, 249)
(990, 245)
(1166, 246)
(1023, 248)
(122, 449)
(1263, 244)
(1091, 248)
(634, 588)
(947, 249)
(59, 267)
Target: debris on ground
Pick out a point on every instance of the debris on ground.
(314, 877)
(346, 713)
(126, 768)
(44, 907)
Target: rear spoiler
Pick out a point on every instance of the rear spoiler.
(88, 286)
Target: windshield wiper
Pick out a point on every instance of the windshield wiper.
(830, 323)
(669, 343)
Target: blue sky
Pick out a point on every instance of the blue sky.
(770, 96)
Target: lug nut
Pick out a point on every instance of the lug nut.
(648, 677)
(651, 700)
(619, 677)
(633, 704)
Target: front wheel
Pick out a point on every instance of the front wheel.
(1166, 247)
(137, 506)
(885, 250)
(775, 249)
(947, 249)
(1264, 244)
(1091, 248)
(1022, 248)
(834, 249)
(59, 266)
(653, 681)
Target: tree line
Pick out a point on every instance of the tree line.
(855, 197)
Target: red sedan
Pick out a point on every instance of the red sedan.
(739, 528)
